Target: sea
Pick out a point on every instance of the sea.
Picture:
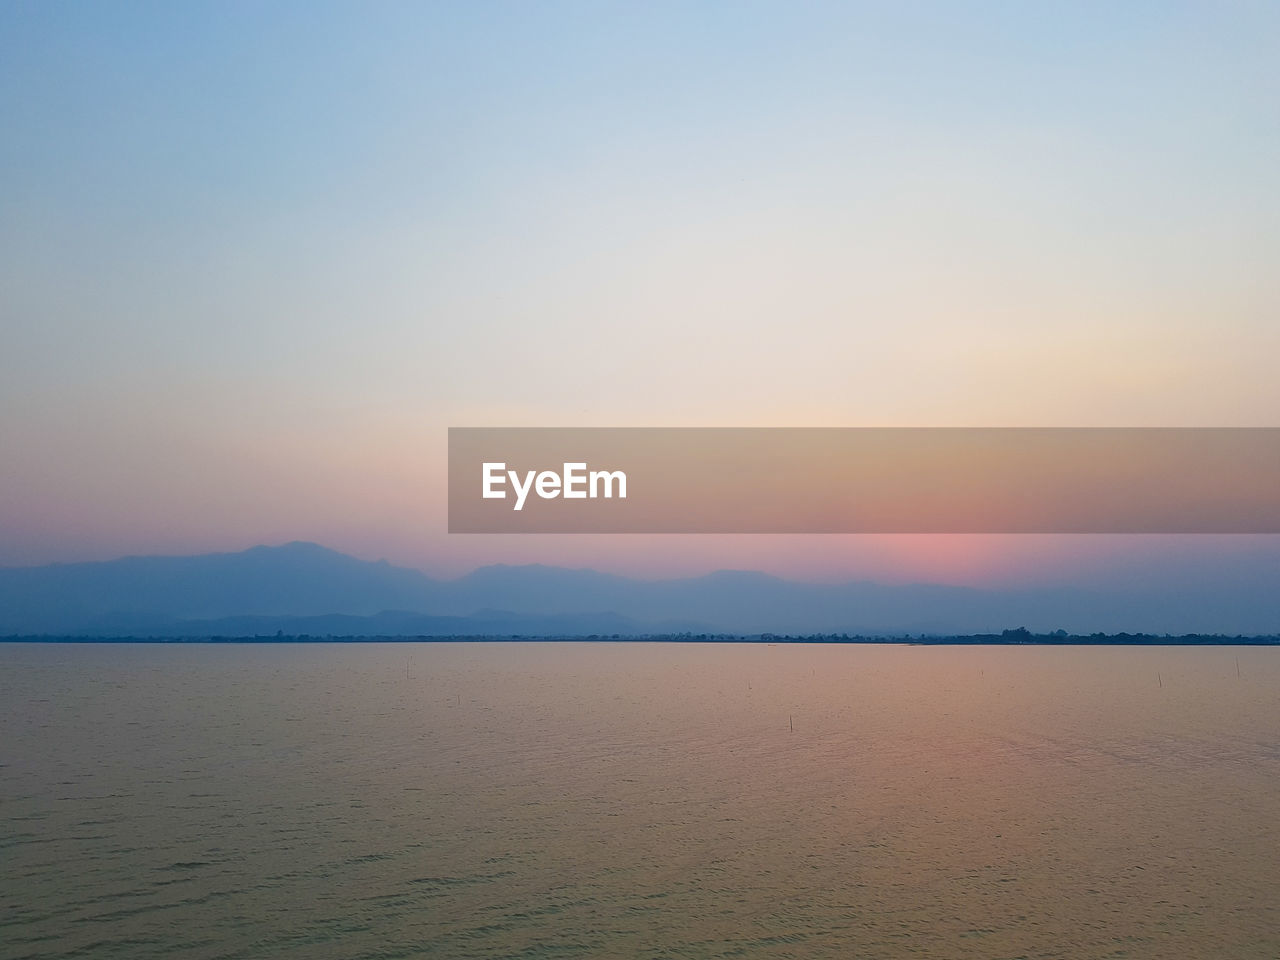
(633, 799)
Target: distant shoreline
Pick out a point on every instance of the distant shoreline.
(1007, 638)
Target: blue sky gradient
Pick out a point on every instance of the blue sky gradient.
(255, 258)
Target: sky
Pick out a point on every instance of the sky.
(255, 259)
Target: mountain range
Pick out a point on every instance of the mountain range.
(304, 588)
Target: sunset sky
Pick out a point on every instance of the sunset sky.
(255, 259)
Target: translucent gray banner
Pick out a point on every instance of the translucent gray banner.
(864, 480)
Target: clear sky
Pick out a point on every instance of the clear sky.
(255, 258)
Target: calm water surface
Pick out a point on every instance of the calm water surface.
(638, 800)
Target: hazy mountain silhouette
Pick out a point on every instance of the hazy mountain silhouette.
(294, 579)
(306, 588)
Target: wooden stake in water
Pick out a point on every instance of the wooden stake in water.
(1159, 680)
(1237, 668)
(791, 723)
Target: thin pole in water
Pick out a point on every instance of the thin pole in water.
(791, 723)
(1159, 680)
(1237, 668)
